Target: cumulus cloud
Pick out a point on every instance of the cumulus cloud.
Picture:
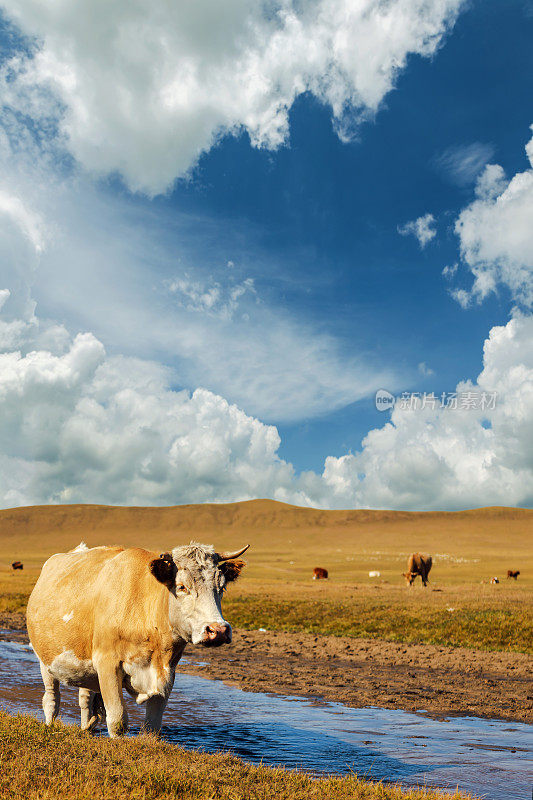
(496, 234)
(80, 425)
(422, 229)
(462, 164)
(148, 106)
(84, 427)
(435, 458)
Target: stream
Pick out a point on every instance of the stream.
(489, 758)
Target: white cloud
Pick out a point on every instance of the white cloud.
(89, 428)
(148, 106)
(463, 164)
(440, 458)
(157, 283)
(496, 234)
(463, 297)
(80, 425)
(450, 270)
(210, 297)
(204, 321)
(425, 370)
(422, 228)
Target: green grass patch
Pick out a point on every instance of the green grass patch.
(13, 601)
(481, 626)
(62, 763)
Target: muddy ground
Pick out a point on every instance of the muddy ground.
(361, 672)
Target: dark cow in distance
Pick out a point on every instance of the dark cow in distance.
(513, 573)
(417, 564)
(17, 565)
(319, 573)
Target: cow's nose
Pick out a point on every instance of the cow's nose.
(217, 633)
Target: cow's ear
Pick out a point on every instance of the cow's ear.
(164, 569)
(232, 569)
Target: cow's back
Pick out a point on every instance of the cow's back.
(60, 612)
(419, 564)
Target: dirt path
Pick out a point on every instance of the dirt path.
(363, 672)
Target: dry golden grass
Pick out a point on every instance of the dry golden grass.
(61, 763)
(276, 590)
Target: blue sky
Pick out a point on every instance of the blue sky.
(251, 246)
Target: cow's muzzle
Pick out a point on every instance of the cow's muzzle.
(216, 634)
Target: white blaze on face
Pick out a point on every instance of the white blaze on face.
(195, 605)
(207, 613)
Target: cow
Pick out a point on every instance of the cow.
(319, 573)
(417, 564)
(107, 618)
(17, 565)
(513, 573)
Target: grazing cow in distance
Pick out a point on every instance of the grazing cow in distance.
(494, 580)
(417, 564)
(17, 565)
(513, 573)
(319, 573)
(107, 618)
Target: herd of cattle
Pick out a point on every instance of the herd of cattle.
(417, 564)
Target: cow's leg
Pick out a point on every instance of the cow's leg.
(110, 680)
(155, 708)
(51, 697)
(92, 709)
(84, 700)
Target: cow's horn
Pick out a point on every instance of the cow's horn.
(229, 556)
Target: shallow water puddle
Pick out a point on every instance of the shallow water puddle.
(489, 758)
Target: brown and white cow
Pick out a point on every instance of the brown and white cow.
(108, 618)
(320, 574)
(417, 564)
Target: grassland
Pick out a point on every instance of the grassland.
(460, 607)
(276, 592)
(61, 763)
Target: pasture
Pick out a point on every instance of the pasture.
(276, 590)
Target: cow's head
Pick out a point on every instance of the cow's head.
(196, 577)
(409, 577)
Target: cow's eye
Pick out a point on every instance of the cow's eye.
(181, 588)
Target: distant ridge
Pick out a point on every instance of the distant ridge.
(285, 540)
(212, 517)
